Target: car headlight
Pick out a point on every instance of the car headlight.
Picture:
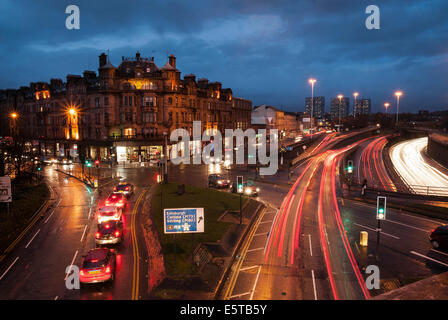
(258, 189)
(248, 191)
(219, 182)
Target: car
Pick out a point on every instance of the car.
(98, 265)
(249, 189)
(116, 199)
(109, 232)
(64, 161)
(218, 181)
(108, 213)
(125, 188)
(439, 237)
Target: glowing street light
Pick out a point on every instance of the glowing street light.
(386, 105)
(356, 94)
(14, 115)
(72, 111)
(312, 82)
(398, 94)
(339, 109)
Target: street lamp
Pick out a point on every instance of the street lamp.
(386, 105)
(398, 94)
(339, 110)
(312, 82)
(356, 94)
(14, 115)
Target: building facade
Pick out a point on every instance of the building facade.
(269, 117)
(318, 107)
(122, 113)
(339, 108)
(361, 107)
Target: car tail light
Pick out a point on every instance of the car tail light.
(107, 226)
(107, 203)
(113, 197)
(127, 188)
(117, 233)
(81, 272)
(107, 269)
(98, 235)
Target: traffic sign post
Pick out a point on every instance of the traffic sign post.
(380, 215)
(240, 189)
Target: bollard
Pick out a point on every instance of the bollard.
(364, 238)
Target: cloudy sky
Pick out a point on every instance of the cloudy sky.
(265, 50)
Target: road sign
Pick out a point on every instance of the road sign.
(183, 220)
(5, 189)
(381, 208)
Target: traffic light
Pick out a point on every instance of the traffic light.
(350, 166)
(39, 167)
(239, 184)
(88, 163)
(381, 208)
(97, 163)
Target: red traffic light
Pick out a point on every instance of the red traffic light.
(97, 162)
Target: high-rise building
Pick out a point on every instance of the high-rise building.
(318, 107)
(339, 108)
(361, 107)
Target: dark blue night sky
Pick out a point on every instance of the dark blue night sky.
(264, 50)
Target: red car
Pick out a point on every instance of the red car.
(116, 199)
(98, 266)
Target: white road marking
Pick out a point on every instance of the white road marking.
(314, 284)
(248, 268)
(374, 230)
(406, 225)
(255, 284)
(257, 249)
(270, 232)
(431, 259)
(311, 248)
(85, 228)
(4, 273)
(70, 270)
(444, 253)
(239, 295)
(261, 234)
(32, 239)
(269, 221)
(49, 216)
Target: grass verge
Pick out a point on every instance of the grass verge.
(178, 248)
(27, 199)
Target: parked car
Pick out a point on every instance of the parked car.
(439, 237)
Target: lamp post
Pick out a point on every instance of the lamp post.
(386, 105)
(312, 82)
(14, 115)
(354, 104)
(339, 111)
(398, 94)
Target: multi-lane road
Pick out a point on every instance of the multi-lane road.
(36, 268)
(308, 248)
(305, 245)
(422, 174)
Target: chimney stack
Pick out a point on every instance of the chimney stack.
(103, 59)
(172, 61)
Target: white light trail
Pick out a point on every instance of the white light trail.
(420, 175)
